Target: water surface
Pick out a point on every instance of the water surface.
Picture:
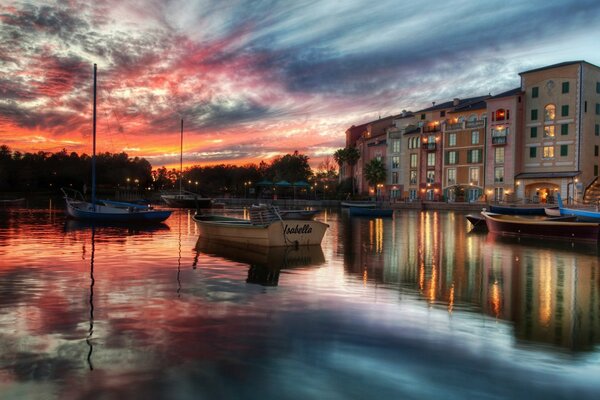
(410, 307)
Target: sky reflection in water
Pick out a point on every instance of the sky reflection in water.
(411, 307)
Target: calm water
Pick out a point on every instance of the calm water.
(412, 307)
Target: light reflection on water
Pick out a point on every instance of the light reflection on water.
(409, 307)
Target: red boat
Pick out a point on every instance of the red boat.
(515, 225)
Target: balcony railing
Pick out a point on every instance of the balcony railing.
(430, 128)
(429, 146)
(498, 140)
(475, 124)
(454, 127)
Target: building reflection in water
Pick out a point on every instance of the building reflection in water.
(549, 290)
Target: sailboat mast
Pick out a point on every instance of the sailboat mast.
(94, 146)
(181, 160)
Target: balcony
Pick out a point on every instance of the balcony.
(454, 127)
(430, 128)
(499, 140)
(429, 146)
(480, 123)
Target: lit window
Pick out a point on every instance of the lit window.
(395, 162)
(548, 151)
(500, 115)
(431, 159)
(413, 161)
(549, 112)
(474, 176)
(499, 174)
(549, 131)
(430, 176)
(413, 177)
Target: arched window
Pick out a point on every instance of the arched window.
(472, 118)
(549, 112)
(461, 119)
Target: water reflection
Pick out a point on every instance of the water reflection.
(88, 340)
(549, 290)
(265, 263)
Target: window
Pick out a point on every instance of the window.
(595, 151)
(413, 161)
(474, 176)
(431, 159)
(396, 146)
(548, 151)
(395, 162)
(532, 152)
(499, 174)
(564, 129)
(564, 150)
(422, 116)
(394, 177)
(413, 177)
(451, 178)
(443, 113)
(534, 115)
(499, 155)
(597, 109)
(564, 111)
(430, 176)
(451, 157)
(597, 130)
(534, 131)
(475, 137)
(565, 87)
(452, 139)
(549, 112)
(549, 131)
(474, 156)
(500, 115)
(412, 194)
(597, 87)
(535, 92)
(595, 170)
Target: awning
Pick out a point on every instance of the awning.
(301, 184)
(264, 183)
(547, 175)
(283, 184)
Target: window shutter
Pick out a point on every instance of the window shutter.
(469, 156)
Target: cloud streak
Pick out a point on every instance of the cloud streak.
(257, 78)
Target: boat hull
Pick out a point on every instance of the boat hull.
(244, 233)
(85, 211)
(519, 226)
(370, 212)
(507, 210)
(362, 204)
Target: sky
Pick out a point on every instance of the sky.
(256, 79)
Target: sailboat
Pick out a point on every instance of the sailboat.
(107, 211)
(185, 199)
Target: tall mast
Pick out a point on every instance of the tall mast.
(181, 159)
(94, 147)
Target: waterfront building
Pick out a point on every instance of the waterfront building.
(429, 121)
(503, 138)
(561, 131)
(398, 151)
(464, 144)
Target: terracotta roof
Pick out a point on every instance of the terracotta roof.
(450, 104)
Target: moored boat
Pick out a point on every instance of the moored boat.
(515, 225)
(515, 210)
(361, 204)
(97, 210)
(370, 212)
(248, 233)
(478, 222)
(12, 202)
(186, 200)
(584, 214)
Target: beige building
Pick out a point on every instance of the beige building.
(560, 131)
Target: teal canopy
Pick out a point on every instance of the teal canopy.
(301, 184)
(264, 183)
(283, 184)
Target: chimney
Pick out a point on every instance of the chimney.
(455, 101)
(433, 103)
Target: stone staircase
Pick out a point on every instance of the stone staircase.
(592, 193)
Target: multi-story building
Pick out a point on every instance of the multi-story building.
(503, 138)
(525, 144)
(397, 154)
(464, 142)
(561, 131)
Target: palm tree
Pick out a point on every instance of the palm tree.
(375, 172)
(352, 157)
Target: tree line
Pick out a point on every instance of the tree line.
(44, 171)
